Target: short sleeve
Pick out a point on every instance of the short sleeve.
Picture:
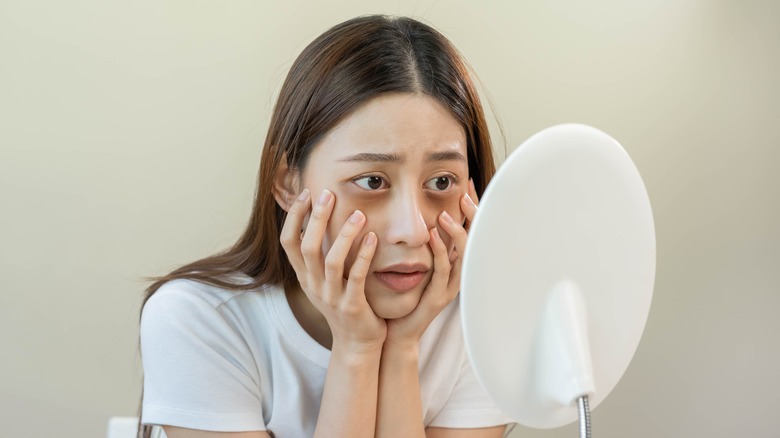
(469, 406)
(198, 370)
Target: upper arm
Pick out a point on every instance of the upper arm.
(180, 432)
(482, 432)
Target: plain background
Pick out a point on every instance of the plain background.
(130, 135)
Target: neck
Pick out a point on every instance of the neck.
(310, 319)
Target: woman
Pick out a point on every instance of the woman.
(335, 313)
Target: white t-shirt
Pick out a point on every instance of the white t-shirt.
(233, 361)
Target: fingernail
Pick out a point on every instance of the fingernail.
(470, 201)
(356, 217)
(370, 238)
(446, 216)
(324, 197)
(304, 194)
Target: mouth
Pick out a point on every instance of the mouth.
(402, 277)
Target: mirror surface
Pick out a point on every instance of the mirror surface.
(568, 206)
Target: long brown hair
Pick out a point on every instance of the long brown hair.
(340, 70)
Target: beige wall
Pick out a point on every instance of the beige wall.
(129, 141)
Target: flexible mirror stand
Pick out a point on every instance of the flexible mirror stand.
(558, 276)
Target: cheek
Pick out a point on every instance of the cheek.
(342, 210)
(346, 205)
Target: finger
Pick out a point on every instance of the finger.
(436, 295)
(311, 244)
(459, 237)
(468, 204)
(334, 261)
(473, 192)
(356, 283)
(291, 231)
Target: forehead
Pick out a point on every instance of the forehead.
(408, 125)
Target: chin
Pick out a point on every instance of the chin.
(388, 304)
(393, 313)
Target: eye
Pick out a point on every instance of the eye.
(440, 183)
(372, 182)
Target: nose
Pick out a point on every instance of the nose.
(407, 224)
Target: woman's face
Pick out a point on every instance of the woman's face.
(401, 160)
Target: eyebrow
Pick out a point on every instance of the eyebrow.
(375, 157)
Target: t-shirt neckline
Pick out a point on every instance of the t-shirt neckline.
(304, 343)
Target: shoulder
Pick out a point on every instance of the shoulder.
(199, 370)
(190, 306)
(187, 294)
(207, 327)
(183, 295)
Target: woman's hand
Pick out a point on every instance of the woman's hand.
(341, 301)
(445, 282)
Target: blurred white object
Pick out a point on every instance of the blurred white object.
(558, 275)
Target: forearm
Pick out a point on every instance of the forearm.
(349, 401)
(399, 410)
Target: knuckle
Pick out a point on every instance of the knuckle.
(286, 241)
(310, 250)
(327, 299)
(346, 232)
(297, 206)
(357, 276)
(363, 258)
(444, 269)
(317, 215)
(333, 266)
(359, 269)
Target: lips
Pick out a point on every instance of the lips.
(402, 277)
